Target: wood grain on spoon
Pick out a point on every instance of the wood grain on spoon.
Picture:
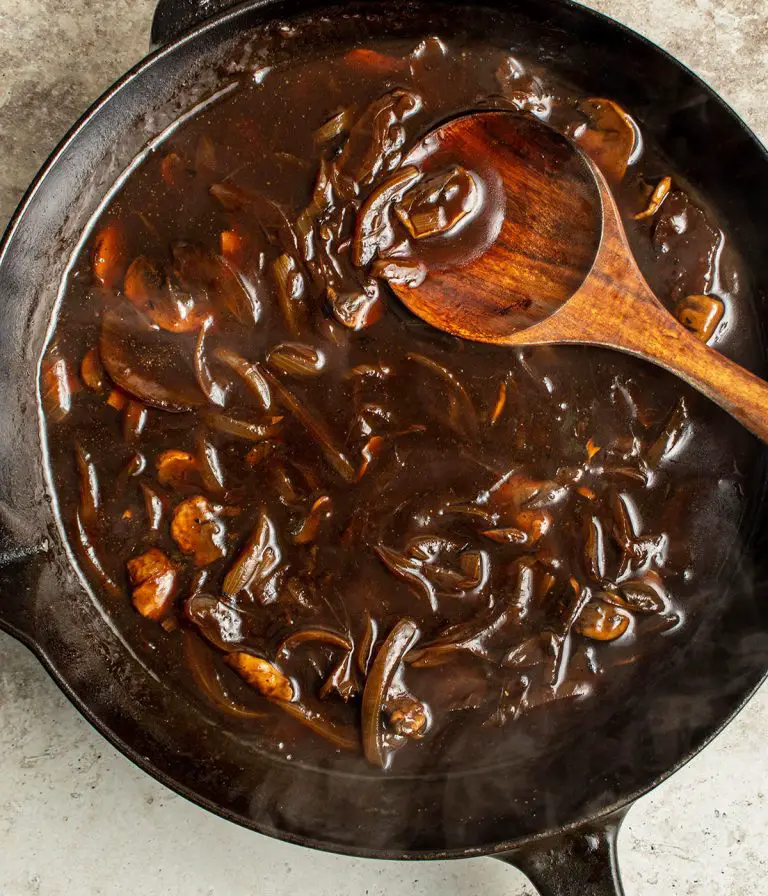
(560, 270)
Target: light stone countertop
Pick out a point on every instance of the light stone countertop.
(77, 818)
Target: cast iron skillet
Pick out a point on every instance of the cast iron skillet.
(556, 817)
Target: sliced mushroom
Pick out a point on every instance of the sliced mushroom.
(610, 138)
(177, 469)
(154, 580)
(602, 621)
(265, 677)
(406, 716)
(701, 315)
(410, 272)
(146, 287)
(357, 309)
(439, 204)
(373, 231)
(197, 529)
(376, 140)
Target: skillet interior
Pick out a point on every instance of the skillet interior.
(623, 748)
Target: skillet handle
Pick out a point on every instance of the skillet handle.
(174, 17)
(21, 563)
(582, 862)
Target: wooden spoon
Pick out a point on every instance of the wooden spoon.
(547, 261)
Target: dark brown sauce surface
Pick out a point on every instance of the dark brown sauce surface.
(344, 532)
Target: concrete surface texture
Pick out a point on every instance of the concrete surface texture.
(77, 818)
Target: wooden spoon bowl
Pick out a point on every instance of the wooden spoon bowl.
(557, 268)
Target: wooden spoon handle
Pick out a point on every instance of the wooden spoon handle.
(616, 308)
(742, 394)
(651, 332)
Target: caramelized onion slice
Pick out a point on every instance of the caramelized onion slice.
(211, 471)
(389, 658)
(209, 385)
(92, 371)
(676, 427)
(342, 680)
(135, 416)
(335, 126)
(290, 289)
(209, 276)
(660, 193)
(89, 487)
(409, 570)
(462, 415)
(259, 558)
(320, 511)
(271, 217)
(87, 552)
(297, 359)
(314, 425)
(152, 365)
(108, 258)
(366, 642)
(153, 506)
(342, 736)
(314, 636)
(251, 374)
(242, 429)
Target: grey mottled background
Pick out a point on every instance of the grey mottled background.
(76, 818)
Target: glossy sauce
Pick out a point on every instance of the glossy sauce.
(346, 534)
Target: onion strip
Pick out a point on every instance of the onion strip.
(251, 374)
(316, 635)
(341, 736)
(388, 660)
(200, 663)
(314, 426)
(213, 391)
